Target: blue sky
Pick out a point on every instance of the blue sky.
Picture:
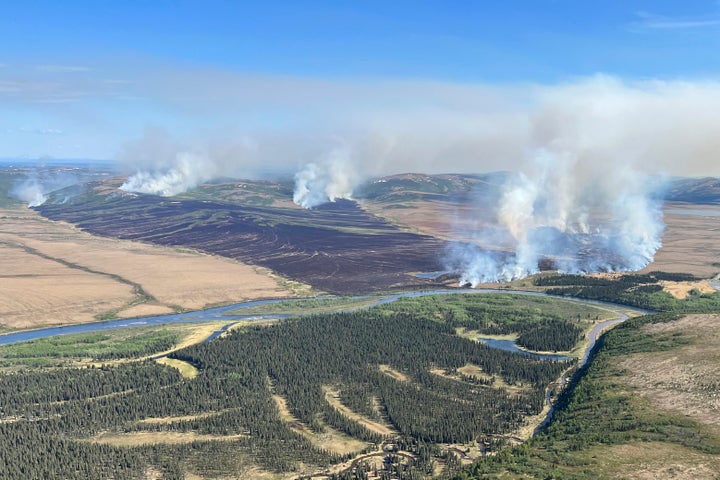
(82, 78)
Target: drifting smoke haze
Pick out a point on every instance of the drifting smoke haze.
(34, 189)
(583, 159)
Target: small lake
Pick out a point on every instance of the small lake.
(511, 346)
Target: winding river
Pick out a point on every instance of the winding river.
(222, 314)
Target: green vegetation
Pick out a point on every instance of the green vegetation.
(541, 323)
(642, 291)
(243, 192)
(8, 178)
(305, 306)
(57, 412)
(600, 409)
(115, 344)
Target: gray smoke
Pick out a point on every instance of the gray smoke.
(39, 183)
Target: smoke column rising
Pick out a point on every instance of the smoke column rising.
(581, 218)
(188, 171)
(325, 181)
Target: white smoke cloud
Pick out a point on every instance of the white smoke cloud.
(579, 224)
(187, 171)
(325, 181)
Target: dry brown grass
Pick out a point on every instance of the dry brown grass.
(156, 438)
(187, 370)
(685, 379)
(682, 290)
(180, 418)
(655, 460)
(37, 288)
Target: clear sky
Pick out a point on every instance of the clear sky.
(82, 78)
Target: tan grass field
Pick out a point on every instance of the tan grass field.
(52, 273)
(656, 460)
(154, 438)
(682, 290)
(686, 379)
(392, 373)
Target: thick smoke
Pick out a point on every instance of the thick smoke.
(575, 219)
(325, 181)
(187, 171)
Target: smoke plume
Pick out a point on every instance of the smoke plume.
(187, 171)
(31, 192)
(577, 220)
(325, 181)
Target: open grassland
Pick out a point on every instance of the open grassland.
(187, 370)
(646, 407)
(53, 273)
(154, 438)
(685, 379)
(682, 290)
(689, 244)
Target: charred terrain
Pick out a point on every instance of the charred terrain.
(404, 224)
(338, 248)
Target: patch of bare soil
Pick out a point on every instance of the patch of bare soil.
(392, 373)
(685, 379)
(51, 272)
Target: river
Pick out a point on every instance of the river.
(221, 314)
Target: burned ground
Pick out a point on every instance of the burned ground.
(338, 248)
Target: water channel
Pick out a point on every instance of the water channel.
(222, 314)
